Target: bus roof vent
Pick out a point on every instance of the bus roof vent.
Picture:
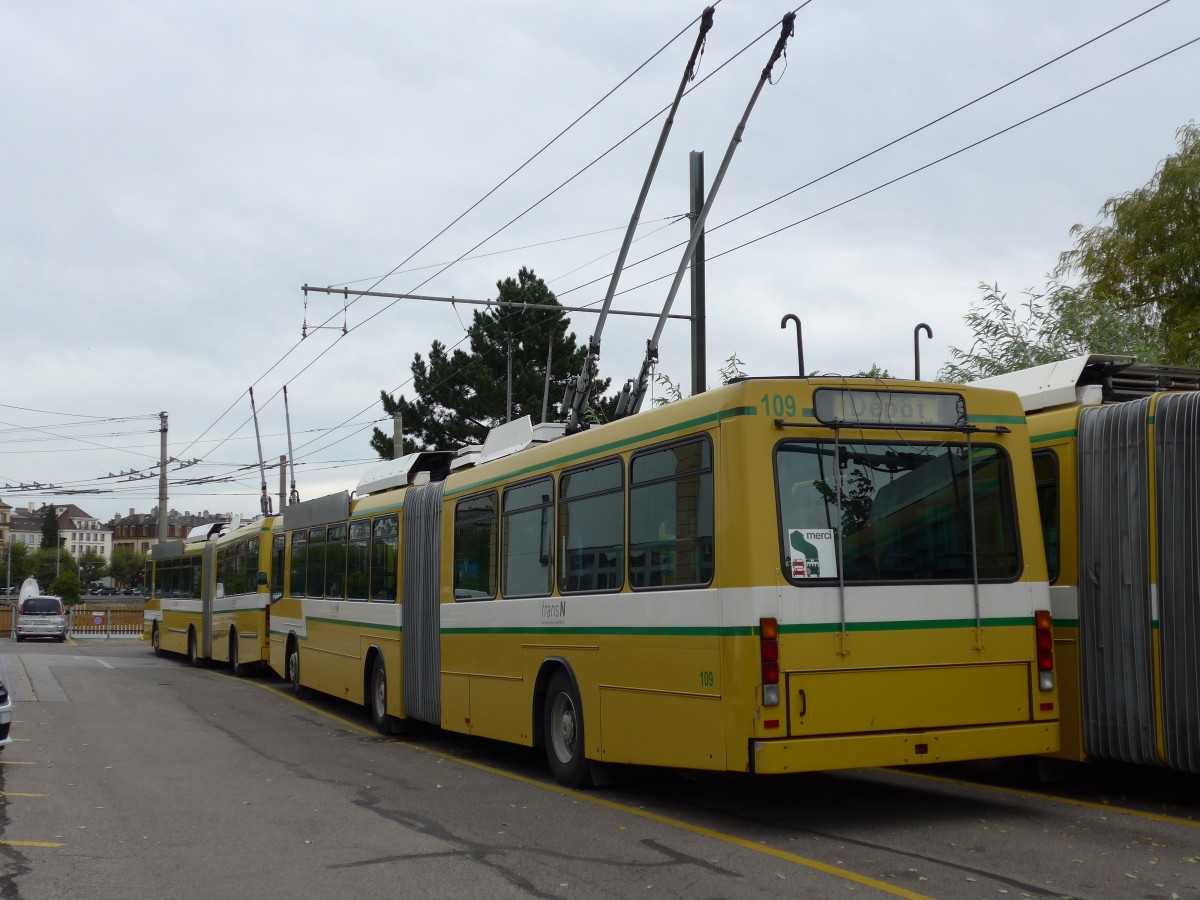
(466, 457)
(517, 435)
(396, 473)
(202, 533)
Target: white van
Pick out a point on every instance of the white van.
(40, 615)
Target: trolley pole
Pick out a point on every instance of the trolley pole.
(283, 460)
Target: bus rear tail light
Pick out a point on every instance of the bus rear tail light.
(1044, 636)
(768, 631)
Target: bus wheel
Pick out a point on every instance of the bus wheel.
(238, 670)
(155, 643)
(564, 732)
(193, 650)
(377, 701)
(293, 671)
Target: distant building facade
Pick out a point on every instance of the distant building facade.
(25, 527)
(139, 531)
(78, 530)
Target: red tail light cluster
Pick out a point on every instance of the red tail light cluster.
(1045, 649)
(768, 632)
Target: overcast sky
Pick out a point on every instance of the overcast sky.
(172, 173)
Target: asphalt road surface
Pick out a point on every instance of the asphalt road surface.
(134, 776)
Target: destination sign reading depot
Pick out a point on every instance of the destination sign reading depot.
(908, 408)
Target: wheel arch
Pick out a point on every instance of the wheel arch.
(374, 652)
(550, 665)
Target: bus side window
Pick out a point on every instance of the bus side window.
(671, 521)
(335, 563)
(278, 543)
(299, 562)
(475, 532)
(527, 537)
(1045, 471)
(591, 528)
(385, 555)
(358, 560)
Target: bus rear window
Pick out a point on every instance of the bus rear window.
(903, 513)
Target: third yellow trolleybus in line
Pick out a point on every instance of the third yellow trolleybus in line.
(1116, 446)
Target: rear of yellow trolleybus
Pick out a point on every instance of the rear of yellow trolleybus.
(779, 575)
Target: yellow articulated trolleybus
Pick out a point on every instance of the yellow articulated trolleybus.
(779, 575)
(207, 596)
(1116, 447)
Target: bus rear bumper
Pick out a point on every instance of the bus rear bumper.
(816, 754)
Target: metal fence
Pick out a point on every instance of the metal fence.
(89, 621)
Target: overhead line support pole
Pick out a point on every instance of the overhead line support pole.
(162, 478)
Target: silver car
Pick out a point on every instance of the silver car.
(41, 617)
(5, 716)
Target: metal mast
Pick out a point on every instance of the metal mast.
(635, 391)
(265, 499)
(579, 389)
(293, 495)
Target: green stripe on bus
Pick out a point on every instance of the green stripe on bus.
(917, 625)
(996, 420)
(562, 631)
(1053, 436)
(741, 630)
(372, 625)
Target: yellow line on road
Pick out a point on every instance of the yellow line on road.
(804, 861)
(49, 844)
(12, 794)
(1070, 801)
(13, 762)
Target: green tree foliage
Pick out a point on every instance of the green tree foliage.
(24, 562)
(1138, 290)
(732, 370)
(1009, 337)
(92, 566)
(50, 562)
(1143, 258)
(67, 586)
(49, 526)
(459, 396)
(876, 371)
(126, 565)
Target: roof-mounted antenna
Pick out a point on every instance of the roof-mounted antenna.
(293, 494)
(579, 389)
(634, 391)
(265, 500)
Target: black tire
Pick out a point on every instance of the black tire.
(238, 669)
(563, 732)
(156, 641)
(193, 650)
(293, 671)
(19, 638)
(377, 698)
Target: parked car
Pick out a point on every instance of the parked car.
(5, 716)
(40, 615)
